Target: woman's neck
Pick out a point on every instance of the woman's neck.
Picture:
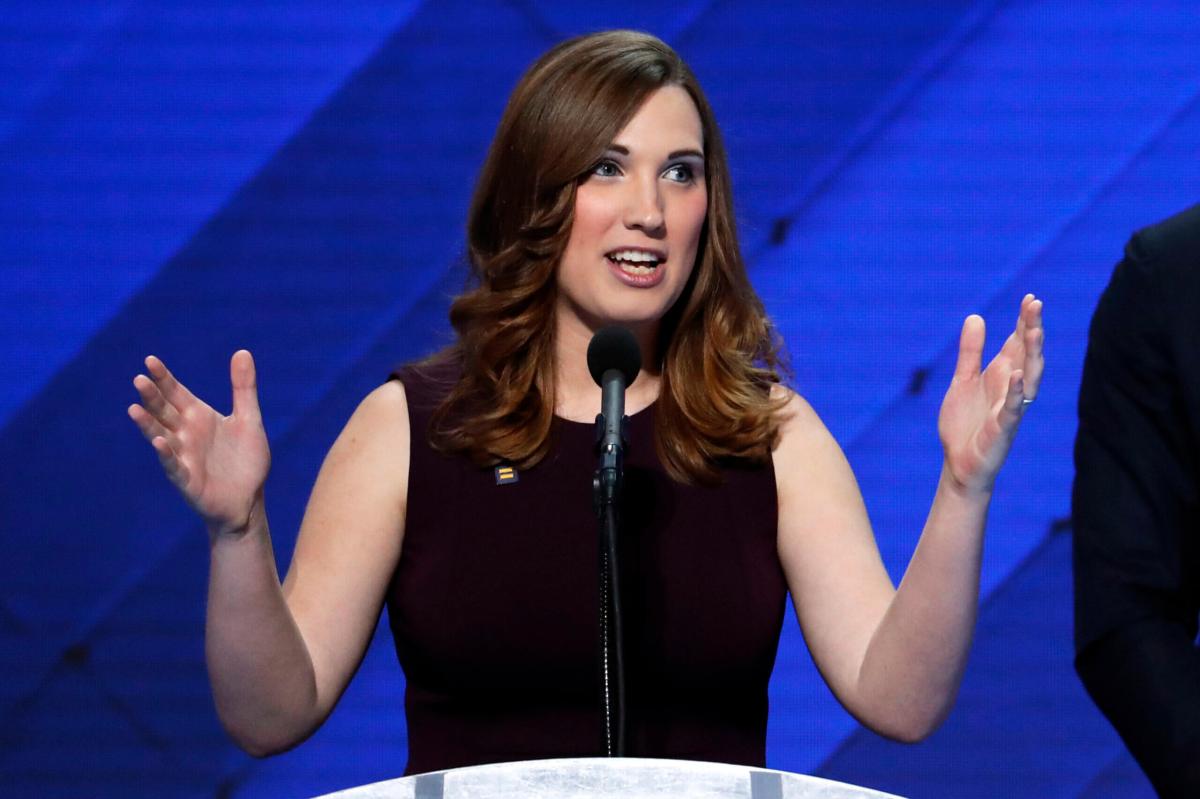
(577, 397)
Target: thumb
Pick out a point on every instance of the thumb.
(970, 348)
(245, 385)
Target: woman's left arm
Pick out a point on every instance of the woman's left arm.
(894, 657)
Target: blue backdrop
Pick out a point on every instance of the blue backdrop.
(186, 179)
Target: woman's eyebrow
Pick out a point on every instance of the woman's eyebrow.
(621, 149)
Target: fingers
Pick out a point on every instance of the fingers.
(1033, 336)
(1014, 400)
(157, 435)
(970, 347)
(1013, 348)
(1022, 314)
(166, 414)
(171, 463)
(151, 428)
(245, 385)
(172, 390)
(159, 416)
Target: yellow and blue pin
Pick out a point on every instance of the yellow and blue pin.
(506, 474)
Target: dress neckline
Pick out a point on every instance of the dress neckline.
(643, 413)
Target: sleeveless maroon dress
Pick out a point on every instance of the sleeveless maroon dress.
(494, 606)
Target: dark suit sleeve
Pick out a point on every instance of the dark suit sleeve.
(1145, 677)
(1134, 514)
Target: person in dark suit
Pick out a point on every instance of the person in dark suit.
(1136, 504)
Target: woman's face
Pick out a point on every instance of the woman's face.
(638, 219)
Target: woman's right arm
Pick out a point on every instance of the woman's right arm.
(279, 656)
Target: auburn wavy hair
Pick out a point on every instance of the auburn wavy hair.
(719, 354)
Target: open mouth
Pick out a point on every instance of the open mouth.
(638, 263)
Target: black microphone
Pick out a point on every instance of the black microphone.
(614, 360)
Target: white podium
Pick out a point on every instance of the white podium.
(609, 778)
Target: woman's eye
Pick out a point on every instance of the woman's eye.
(605, 169)
(681, 173)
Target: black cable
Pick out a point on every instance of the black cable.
(605, 636)
(610, 537)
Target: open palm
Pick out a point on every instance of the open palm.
(981, 410)
(219, 463)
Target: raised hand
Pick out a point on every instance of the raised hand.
(219, 463)
(981, 411)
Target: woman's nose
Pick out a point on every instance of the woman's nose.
(644, 206)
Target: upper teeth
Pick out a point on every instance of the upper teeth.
(634, 255)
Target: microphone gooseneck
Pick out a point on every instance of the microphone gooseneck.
(614, 361)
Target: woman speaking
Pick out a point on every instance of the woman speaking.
(457, 494)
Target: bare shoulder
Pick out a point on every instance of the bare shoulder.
(797, 410)
(810, 468)
(363, 483)
(377, 431)
(385, 408)
(800, 428)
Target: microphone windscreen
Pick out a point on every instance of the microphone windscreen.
(614, 347)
